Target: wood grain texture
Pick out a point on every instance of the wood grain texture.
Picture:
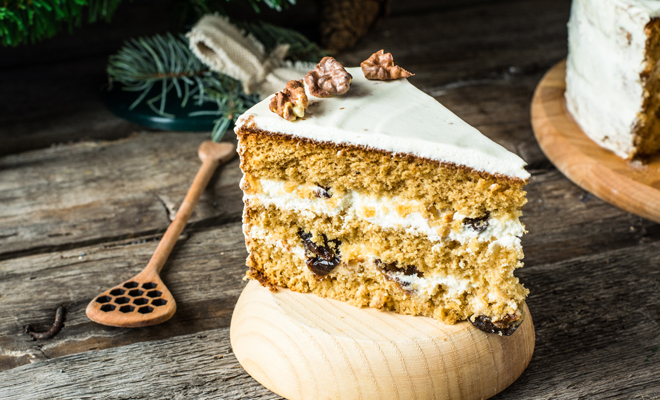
(596, 326)
(632, 186)
(449, 47)
(80, 194)
(585, 259)
(305, 347)
(593, 269)
(204, 273)
(199, 366)
(144, 300)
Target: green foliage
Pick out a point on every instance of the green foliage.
(300, 48)
(230, 99)
(23, 21)
(211, 6)
(29, 21)
(167, 61)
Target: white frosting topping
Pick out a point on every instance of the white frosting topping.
(604, 90)
(382, 211)
(393, 116)
(644, 8)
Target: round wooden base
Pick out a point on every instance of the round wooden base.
(632, 186)
(302, 346)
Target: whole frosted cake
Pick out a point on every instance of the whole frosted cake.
(612, 78)
(379, 196)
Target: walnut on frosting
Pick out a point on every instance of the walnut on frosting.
(291, 102)
(381, 67)
(328, 78)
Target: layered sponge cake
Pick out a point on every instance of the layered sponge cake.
(612, 74)
(382, 197)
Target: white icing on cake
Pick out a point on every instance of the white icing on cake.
(426, 285)
(396, 117)
(648, 7)
(604, 90)
(382, 211)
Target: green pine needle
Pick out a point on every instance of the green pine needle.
(165, 63)
(202, 7)
(30, 21)
(145, 62)
(300, 48)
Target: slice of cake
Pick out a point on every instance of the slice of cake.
(382, 197)
(612, 78)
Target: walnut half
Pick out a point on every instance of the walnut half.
(328, 78)
(291, 102)
(381, 67)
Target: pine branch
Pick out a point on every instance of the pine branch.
(212, 6)
(28, 21)
(144, 62)
(231, 101)
(167, 61)
(163, 63)
(300, 48)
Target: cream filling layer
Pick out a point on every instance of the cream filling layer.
(382, 211)
(423, 287)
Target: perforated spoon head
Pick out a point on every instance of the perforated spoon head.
(144, 300)
(140, 301)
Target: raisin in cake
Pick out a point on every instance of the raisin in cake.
(382, 197)
(612, 79)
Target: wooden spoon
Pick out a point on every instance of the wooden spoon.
(144, 300)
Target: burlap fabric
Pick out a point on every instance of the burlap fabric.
(225, 49)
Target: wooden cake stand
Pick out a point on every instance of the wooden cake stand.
(302, 346)
(632, 186)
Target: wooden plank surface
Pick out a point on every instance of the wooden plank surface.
(78, 218)
(204, 274)
(596, 330)
(632, 186)
(199, 366)
(83, 193)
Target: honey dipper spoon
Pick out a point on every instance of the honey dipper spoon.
(144, 300)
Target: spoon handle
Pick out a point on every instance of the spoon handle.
(218, 152)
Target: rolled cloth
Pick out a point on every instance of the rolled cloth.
(227, 50)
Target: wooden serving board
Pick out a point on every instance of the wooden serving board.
(302, 346)
(631, 186)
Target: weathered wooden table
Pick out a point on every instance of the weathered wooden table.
(77, 218)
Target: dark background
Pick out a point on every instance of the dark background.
(51, 92)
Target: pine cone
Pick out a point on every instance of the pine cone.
(344, 22)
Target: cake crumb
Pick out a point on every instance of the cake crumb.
(378, 299)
